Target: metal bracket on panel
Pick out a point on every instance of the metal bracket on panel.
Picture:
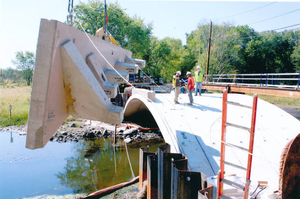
(141, 63)
(110, 88)
(127, 67)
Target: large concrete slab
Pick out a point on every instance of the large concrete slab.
(64, 84)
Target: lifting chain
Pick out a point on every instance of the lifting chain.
(70, 10)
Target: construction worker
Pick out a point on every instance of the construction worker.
(198, 80)
(190, 87)
(176, 84)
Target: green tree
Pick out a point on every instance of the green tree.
(159, 53)
(130, 33)
(242, 50)
(188, 60)
(167, 56)
(11, 74)
(223, 47)
(25, 62)
(295, 56)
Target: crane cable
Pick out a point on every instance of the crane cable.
(70, 11)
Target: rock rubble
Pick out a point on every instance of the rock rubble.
(91, 130)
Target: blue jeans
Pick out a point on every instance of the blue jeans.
(190, 94)
(198, 85)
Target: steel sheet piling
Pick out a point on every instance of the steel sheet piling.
(143, 165)
(152, 177)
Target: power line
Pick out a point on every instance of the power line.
(245, 11)
(274, 17)
(255, 36)
(285, 27)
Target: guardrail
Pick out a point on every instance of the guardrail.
(279, 80)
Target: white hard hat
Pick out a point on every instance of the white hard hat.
(188, 73)
(198, 67)
(178, 72)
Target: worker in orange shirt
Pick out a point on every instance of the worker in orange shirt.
(190, 87)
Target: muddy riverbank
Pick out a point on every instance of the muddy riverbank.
(74, 131)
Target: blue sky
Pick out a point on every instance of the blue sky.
(19, 19)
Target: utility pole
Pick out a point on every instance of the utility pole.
(208, 53)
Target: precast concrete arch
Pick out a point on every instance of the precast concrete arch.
(139, 103)
(195, 131)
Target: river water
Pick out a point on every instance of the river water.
(63, 168)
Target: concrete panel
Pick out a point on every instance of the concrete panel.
(47, 112)
(84, 95)
(53, 93)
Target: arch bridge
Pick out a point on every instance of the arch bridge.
(77, 74)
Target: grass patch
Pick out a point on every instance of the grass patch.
(19, 98)
(287, 102)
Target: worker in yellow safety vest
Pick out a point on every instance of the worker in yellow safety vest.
(177, 85)
(198, 80)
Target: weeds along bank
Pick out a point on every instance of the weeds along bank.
(19, 99)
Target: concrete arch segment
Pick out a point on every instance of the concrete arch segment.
(171, 120)
(195, 131)
(139, 103)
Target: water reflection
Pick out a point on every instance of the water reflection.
(98, 164)
(62, 168)
(11, 138)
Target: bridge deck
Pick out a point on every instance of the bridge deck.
(195, 130)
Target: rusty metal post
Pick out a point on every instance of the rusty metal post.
(143, 165)
(207, 192)
(160, 153)
(142, 174)
(181, 164)
(164, 171)
(187, 184)
(152, 176)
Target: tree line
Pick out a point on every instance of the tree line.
(24, 62)
(243, 50)
(234, 49)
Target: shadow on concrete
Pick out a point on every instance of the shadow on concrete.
(205, 108)
(209, 153)
(211, 96)
(158, 101)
